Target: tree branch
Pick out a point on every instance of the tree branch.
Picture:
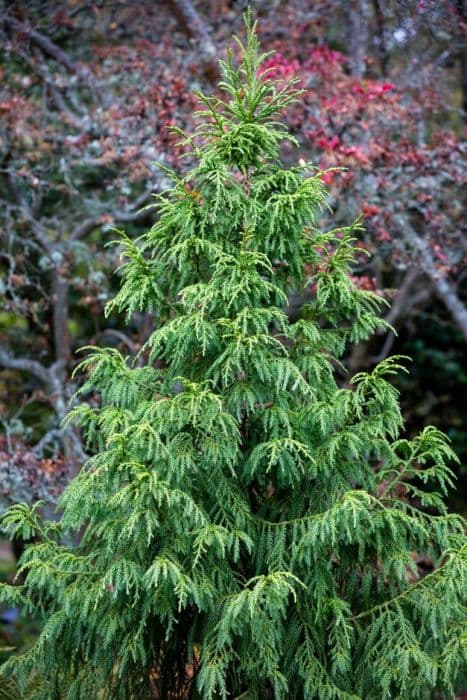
(399, 304)
(24, 364)
(398, 308)
(88, 225)
(443, 288)
(421, 297)
(48, 47)
(52, 434)
(124, 216)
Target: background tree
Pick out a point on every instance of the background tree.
(248, 526)
(87, 92)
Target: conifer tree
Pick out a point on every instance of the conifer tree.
(248, 527)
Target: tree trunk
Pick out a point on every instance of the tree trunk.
(380, 38)
(462, 8)
(357, 19)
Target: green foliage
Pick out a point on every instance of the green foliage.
(248, 528)
(9, 691)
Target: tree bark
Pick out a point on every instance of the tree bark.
(462, 10)
(380, 38)
(356, 15)
(60, 287)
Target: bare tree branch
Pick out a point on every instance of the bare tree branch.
(122, 337)
(25, 365)
(443, 288)
(48, 47)
(124, 216)
(129, 216)
(399, 303)
(53, 434)
(410, 302)
(85, 227)
(22, 207)
(398, 308)
(41, 70)
(55, 380)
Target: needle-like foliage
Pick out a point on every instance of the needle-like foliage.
(247, 527)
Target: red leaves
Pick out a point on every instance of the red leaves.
(365, 282)
(12, 105)
(279, 67)
(370, 210)
(383, 236)
(328, 143)
(324, 58)
(371, 89)
(328, 177)
(439, 254)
